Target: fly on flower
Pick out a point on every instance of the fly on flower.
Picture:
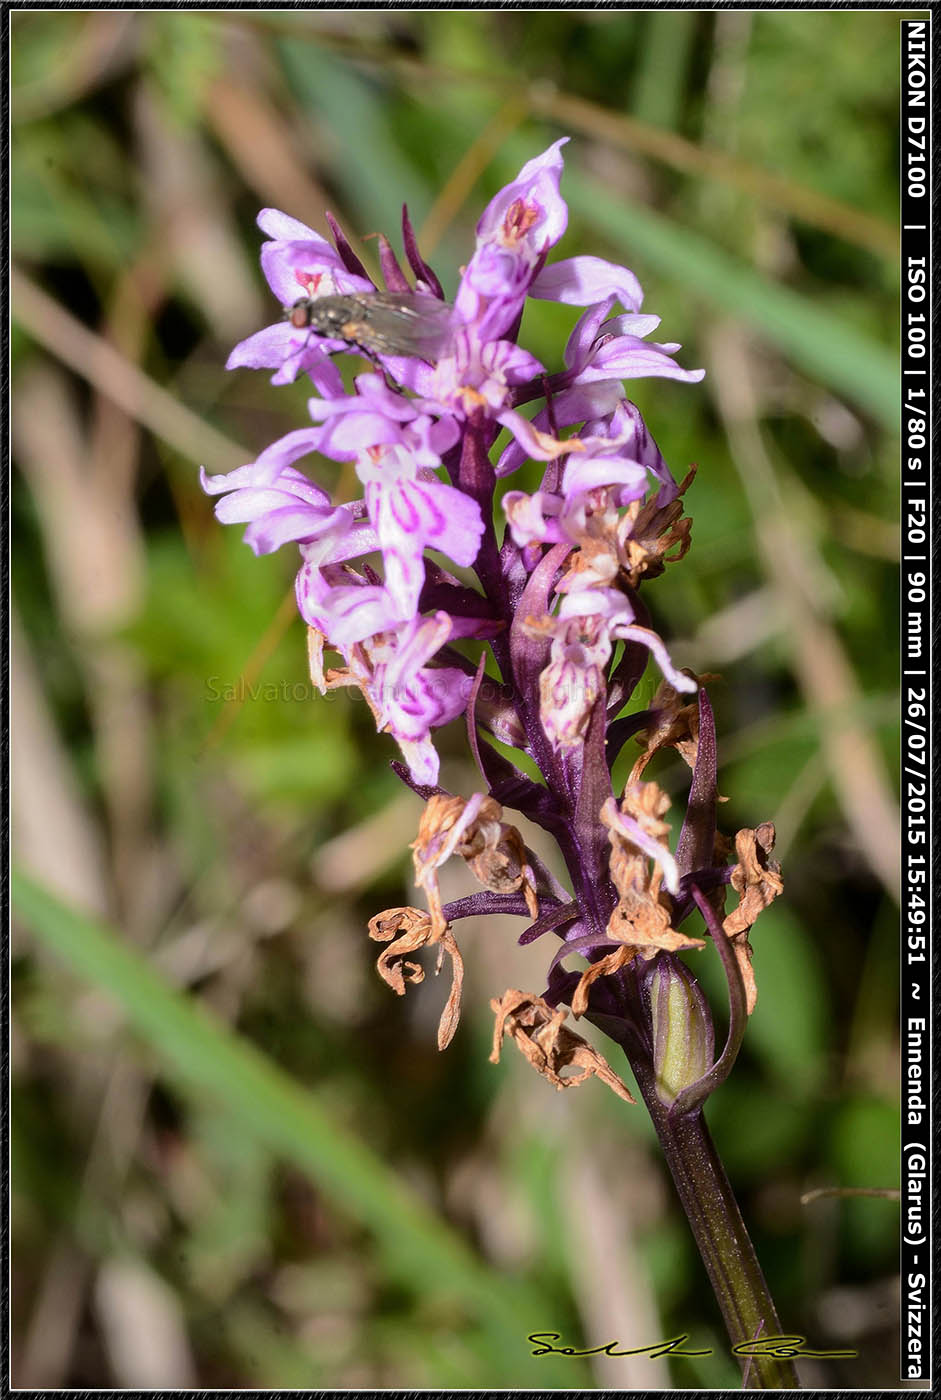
(385, 323)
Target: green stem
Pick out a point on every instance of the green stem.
(720, 1234)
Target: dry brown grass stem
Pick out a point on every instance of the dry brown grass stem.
(264, 149)
(97, 362)
(821, 665)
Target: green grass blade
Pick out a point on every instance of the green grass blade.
(205, 1058)
(661, 75)
(363, 155)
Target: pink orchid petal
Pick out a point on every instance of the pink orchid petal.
(581, 281)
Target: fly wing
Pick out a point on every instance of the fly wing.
(406, 323)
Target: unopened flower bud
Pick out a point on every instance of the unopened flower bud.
(683, 1037)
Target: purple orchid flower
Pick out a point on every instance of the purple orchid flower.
(399, 432)
(288, 508)
(557, 601)
(389, 665)
(514, 234)
(603, 347)
(412, 510)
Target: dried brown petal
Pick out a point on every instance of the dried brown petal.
(644, 938)
(756, 879)
(402, 919)
(452, 1007)
(647, 532)
(359, 672)
(644, 803)
(612, 963)
(641, 921)
(435, 841)
(595, 565)
(676, 725)
(548, 1044)
(415, 930)
(315, 645)
(503, 868)
(493, 849)
(744, 953)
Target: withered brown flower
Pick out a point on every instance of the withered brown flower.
(493, 849)
(676, 725)
(415, 929)
(756, 879)
(641, 920)
(549, 1045)
(648, 531)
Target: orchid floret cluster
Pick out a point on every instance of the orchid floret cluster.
(555, 604)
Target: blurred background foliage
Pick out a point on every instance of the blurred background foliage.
(238, 1159)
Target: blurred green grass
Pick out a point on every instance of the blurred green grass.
(175, 778)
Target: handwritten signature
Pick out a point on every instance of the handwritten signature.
(782, 1348)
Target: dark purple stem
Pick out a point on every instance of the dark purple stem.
(552, 919)
(484, 902)
(694, 850)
